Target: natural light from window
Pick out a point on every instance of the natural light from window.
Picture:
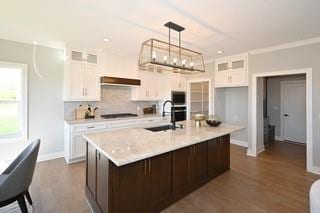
(12, 103)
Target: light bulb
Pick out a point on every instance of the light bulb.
(191, 64)
(175, 61)
(165, 58)
(183, 62)
(154, 55)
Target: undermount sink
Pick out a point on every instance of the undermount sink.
(159, 128)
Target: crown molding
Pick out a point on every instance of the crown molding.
(285, 46)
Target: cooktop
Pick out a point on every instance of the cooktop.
(118, 115)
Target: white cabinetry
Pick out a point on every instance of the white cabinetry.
(151, 88)
(232, 71)
(177, 82)
(81, 77)
(75, 144)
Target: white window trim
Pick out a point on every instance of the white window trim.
(24, 110)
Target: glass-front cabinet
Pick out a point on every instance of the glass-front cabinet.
(232, 71)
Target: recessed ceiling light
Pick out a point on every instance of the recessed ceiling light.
(107, 39)
(219, 51)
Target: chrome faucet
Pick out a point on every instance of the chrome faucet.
(173, 119)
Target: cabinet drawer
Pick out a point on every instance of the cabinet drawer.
(125, 123)
(89, 127)
(154, 120)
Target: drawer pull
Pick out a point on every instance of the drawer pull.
(90, 127)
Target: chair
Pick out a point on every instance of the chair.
(16, 179)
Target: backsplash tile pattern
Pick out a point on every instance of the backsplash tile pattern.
(114, 99)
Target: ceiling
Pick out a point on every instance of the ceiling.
(232, 25)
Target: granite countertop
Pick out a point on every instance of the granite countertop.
(125, 146)
(100, 119)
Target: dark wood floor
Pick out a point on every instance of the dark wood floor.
(276, 181)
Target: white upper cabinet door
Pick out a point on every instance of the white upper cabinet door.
(238, 62)
(178, 82)
(222, 64)
(75, 84)
(232, 71)
(150, 88)
(92, 87)
(82, 78)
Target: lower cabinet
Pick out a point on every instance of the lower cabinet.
(218, 155)
(153, 184)
(129, 187)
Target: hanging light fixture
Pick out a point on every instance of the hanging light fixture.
(156, 55)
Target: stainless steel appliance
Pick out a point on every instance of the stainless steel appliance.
(180, 112)
(178, 98)
(118, 115)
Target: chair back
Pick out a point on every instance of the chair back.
(17, 178)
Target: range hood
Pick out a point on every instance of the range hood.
(107, 80)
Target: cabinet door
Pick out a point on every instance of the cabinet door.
(181, 171)
(129, 187)
(213, 157)
(222, 79)
(78, 146)
(199, 161)
(238, 78)
(159, 181)
(76, 80)
(222, 64)
(225, 153)
(102, 182)
(238, 62)
(92, 83)
(91, 169)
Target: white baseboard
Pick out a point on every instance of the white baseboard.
(251, 153)
(277, 138)
(50, 156)
(260, 149)
(315, 170)
(239, 142)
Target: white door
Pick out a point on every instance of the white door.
(293, 111)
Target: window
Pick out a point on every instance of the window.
(13, 101)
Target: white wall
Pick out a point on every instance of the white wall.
(45, 104)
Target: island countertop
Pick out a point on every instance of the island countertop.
(129, 145)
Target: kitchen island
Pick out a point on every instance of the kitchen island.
(137, 170)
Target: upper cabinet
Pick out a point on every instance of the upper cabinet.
(177, 82)
(232, 71)
(150, 89)
(81, 76)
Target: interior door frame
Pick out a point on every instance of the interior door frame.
(255, 132)
(282, 84)
(189, 95)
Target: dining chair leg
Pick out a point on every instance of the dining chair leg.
(22, 204)
(29, 198)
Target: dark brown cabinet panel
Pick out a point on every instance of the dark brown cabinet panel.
(181, 171)
(91, 169)
(159, 181)
(129, 187)
(199, 163)
(218, 155)
(213, 157)
(102, 182)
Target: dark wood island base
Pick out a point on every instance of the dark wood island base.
(153, 184)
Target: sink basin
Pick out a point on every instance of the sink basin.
(159, 128)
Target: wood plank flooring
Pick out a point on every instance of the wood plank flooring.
(276, 181)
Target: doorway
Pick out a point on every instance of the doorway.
(257, 119)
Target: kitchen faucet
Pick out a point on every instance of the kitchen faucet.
(173, 119)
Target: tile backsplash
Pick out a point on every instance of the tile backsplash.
(114, 99)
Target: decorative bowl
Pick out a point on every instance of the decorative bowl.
(199, 117)
(213, 120)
